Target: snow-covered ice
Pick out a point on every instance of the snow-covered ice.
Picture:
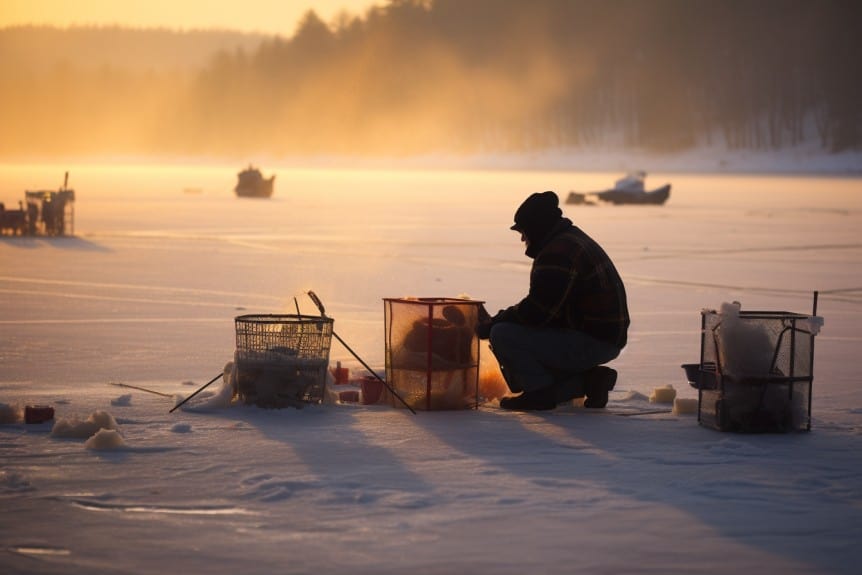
(146, 292)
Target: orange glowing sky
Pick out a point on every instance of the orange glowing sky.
(267, 16)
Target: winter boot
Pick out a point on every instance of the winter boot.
(537, 400)
(599, 381)
(569, 388)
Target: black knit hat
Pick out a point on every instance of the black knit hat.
(537, 214)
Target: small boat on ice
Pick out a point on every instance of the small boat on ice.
(252, 184)
(47, 213)
(627, 190)
(657, 196)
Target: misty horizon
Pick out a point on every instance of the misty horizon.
(416, 78)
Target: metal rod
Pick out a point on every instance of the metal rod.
(811, 361)
(320, 307)
(299, 319)
(374, 373)
(652, 412)
(429, 364)
(140, 388)
(207, 384)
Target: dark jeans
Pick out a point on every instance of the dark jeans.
(536, 357)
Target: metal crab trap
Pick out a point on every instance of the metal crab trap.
(756, 369)
(281, 360)
(432, 352)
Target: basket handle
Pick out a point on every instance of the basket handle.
(317, 302)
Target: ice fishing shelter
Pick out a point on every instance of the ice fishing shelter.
(432, 352)
(51, 212)
(756, 369)
(281, 360)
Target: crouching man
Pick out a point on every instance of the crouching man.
(551, 345)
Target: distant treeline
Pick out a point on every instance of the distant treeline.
(456, 76)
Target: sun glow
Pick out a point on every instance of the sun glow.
(266, 16)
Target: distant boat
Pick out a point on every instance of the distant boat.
(252, 184)
(47, 213)
(627, 190)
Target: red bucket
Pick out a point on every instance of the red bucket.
(371, 389)
(348, 396)
(341, 375)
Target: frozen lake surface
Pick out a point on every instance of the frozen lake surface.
(164, 258)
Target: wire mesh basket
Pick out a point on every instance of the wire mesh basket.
(281, 360)
(756, 370)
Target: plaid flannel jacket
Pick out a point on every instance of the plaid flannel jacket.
(573, 284)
